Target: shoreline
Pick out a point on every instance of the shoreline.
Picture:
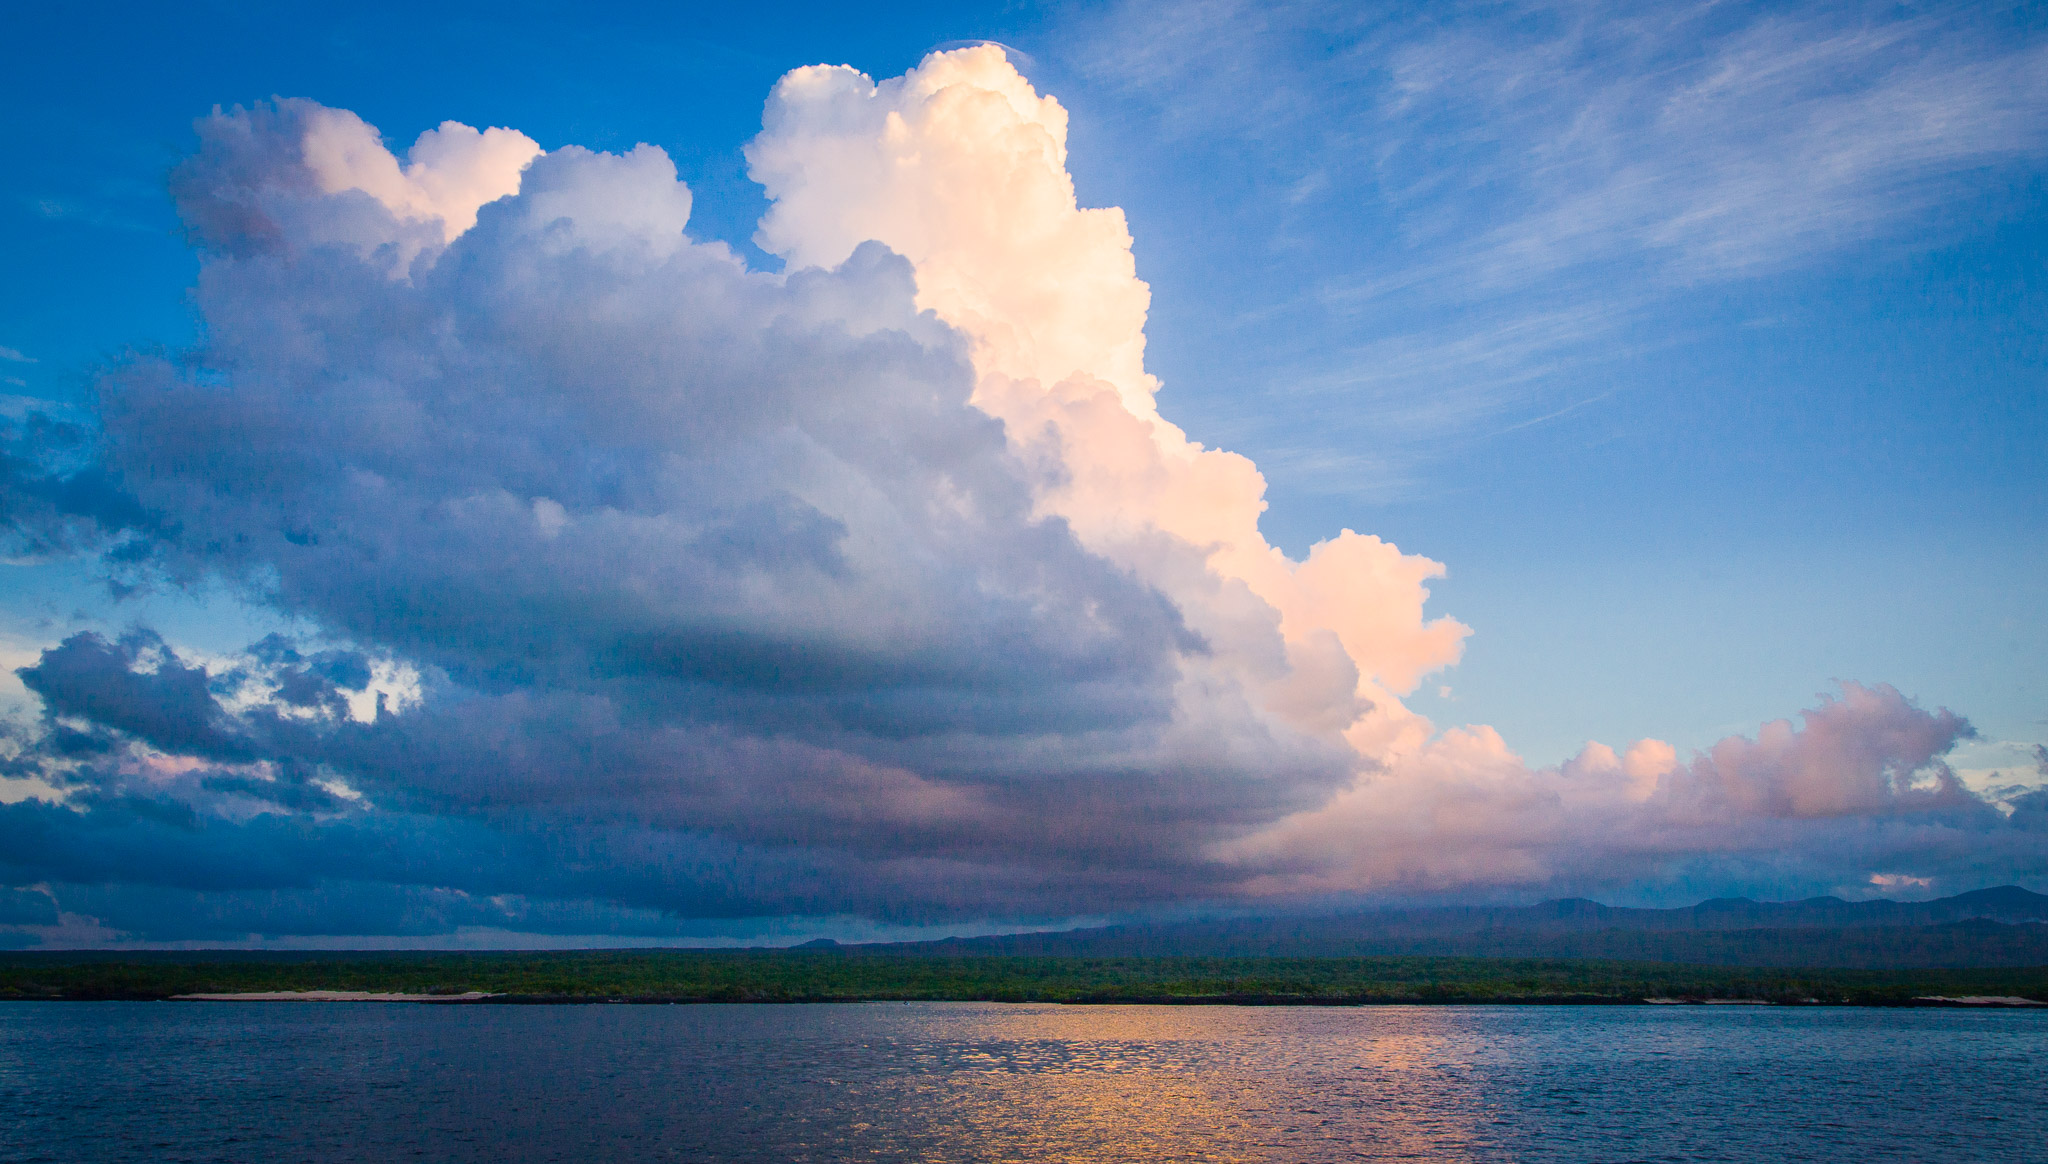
(500, 998)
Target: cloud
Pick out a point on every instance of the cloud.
(636, 583)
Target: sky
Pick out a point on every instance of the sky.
(522, 475)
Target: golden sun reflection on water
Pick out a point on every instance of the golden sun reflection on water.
(1171, 1084)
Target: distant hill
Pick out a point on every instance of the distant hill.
(1984, 928)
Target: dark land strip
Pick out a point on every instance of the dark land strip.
(855, 974)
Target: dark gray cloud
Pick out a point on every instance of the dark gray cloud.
(168, 705)
(54, 497)
(560, 793)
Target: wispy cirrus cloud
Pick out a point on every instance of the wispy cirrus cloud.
(1465, 198)
(1701, 141)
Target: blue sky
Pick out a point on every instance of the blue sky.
(1702, 344)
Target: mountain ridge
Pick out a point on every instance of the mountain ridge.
(2000, 926)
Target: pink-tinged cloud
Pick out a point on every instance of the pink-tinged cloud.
(1858, 776)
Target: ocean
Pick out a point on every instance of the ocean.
(316, 1082)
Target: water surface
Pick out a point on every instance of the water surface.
(985, 1082)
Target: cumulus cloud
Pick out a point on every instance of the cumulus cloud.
(640, 584)
(961, 167)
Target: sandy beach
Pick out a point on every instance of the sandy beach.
(331, 996)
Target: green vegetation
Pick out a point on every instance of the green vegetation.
(852, 975)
